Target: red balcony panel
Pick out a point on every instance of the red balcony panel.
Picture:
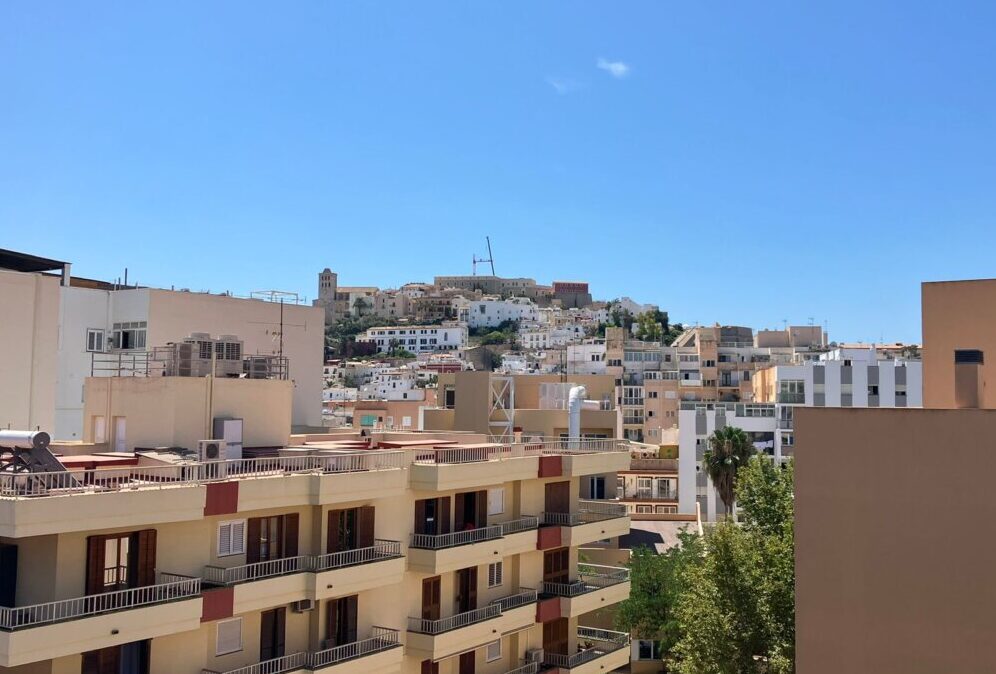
(551, 466)
(548, 538)
(222, 498)
(218, 603)
(548, 609)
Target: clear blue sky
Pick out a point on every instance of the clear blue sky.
(741, 162)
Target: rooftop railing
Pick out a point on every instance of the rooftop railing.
(596, 643)
(653, 464)
(171, 588)
(190, 473)
(501, 449)
(455, 538)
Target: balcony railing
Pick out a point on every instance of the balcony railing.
(522, 598)
(785, 424)
(524, 523)
(287, 663)
(23, 485)
(591, 577)
(434, 627)
(176, 587)
(587, 513)
(453, 539)
(500, 449)
(381, 639)
(380, 550)
(217, 575)
(530, 668)
(596, 643)
(653, 464)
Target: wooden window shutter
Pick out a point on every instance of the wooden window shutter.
(420, 516)
(472, 588)
(431, 598)
(352, 605)
(332, 544)
(332, 624)
(146, 566)
(280, 627)
(444, 515)
(95, 564)
(459, 524)
(255, 529)
(365, 515)
(482, 509)
(291, 522)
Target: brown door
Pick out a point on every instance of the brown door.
(365, 527)
(271, 633)
(431, 598)
(467, 662)
(481, 516)
(558, 497)
(556, 565)
(144, 545)
(269, 538)
(104, 661)
(555, 636)
(460, 516)
(341, 621)
(466, 599)
(120, 562)
(8, 574)
(430, 667)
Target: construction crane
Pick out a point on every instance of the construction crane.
(490, 258)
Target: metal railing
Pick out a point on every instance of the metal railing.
(94, 604)
(591, 577)
(524, 523)
(217, 575)
(588, 512)
(433, 627)
(455, 538)
(380, 550)
(523, 597)
(493, 452)
(381, 639)
(653, 464)
(184, 474)
(287, 663)
(531, 668)
(596, 644)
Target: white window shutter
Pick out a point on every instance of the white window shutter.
(239, 537)
(229, 636)
(224, 539)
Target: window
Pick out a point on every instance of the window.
(873, 390)
(496, 501)
(94, 340)
(231, 538)
(494, 651)
(130, 335)
(496, 572)
(229, 637)
(648, 650)
(644, 509)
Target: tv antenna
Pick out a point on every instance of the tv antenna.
(490, 259)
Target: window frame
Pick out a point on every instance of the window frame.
(232, 548)
(96, 332)
(498, 575)
(487, 651)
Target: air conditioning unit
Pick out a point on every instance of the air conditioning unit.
(534, 655)
(303, 605)
(212, 453)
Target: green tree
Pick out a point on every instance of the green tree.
(736, 610)
(729, 450)
(648, 328)
(672, 332)
(656, 585)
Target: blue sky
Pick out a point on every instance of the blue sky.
(735, 162)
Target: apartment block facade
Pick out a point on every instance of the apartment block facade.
(387, 552)
(418, 338)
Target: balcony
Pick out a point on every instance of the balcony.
(597, 586)
(469, 466)
(593, 521)
(438, 553)
(670, 465)
(530, 668)
(792, 398)
(519, 535)
(58, 628)
(379, 652)
(350, 571)
(176, 492)
(437, 639)
(295, 662)
(600, 651)
(263, 584)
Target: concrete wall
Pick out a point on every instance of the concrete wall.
(893, 573)
(29, 334)
(179, 411)
(174, 315)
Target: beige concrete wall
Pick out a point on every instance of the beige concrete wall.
(29, 340)
(179, 411)
(957, 315)
(893, 563)
(173, 315)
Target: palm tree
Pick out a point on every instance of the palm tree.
(729, 450)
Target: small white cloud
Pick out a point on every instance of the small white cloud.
(563, 86)
(617, 69)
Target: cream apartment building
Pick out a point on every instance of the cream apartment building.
(373, 552)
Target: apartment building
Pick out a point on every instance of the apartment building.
(489, 285)
(418, 338)
(531, 405)
(539, 337)
(840, 378)
(490, 312)
(373, 552)
(67, 323)
(888, 507)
